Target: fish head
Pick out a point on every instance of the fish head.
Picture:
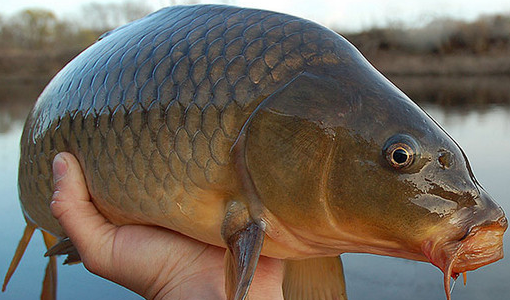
(377, 175)
(403, 187)
(367, 170)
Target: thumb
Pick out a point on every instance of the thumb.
(71, 206)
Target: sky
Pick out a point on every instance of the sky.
(349, 15)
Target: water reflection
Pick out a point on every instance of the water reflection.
(16, 99)
(475, 111)
(457, 93)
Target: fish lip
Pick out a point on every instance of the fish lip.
(479, 246)
(476, 243)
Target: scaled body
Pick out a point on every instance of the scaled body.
(153, 109)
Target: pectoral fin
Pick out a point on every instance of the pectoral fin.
(65, 247)
(314, 279)
(244, 238)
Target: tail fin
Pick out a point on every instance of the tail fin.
(25, 239)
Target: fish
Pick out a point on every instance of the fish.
(262, 133)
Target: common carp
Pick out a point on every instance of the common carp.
(262, 133)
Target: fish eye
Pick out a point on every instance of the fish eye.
(400, 155)
(400, 151)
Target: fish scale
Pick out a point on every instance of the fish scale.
(153, 109)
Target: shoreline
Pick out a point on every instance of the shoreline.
(403, 64)
(24, 74)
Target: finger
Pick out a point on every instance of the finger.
(71, 205)
(268, 280)
(68, 177)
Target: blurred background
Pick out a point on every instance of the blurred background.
(451, 57)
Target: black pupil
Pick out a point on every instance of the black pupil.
(400, 156)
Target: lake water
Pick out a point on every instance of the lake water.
(475, 111)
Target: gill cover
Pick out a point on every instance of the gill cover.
(289, 146)
(290, 141)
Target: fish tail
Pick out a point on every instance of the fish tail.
(22, 246)
(49, 289)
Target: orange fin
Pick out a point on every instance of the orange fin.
(314, 278)
(22, 246)
(49, 289)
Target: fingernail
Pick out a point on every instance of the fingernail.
(59, 167)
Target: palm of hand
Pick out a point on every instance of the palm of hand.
(154, 262)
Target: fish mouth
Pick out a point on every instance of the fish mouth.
(480, 246)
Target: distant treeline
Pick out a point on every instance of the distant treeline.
(35, 43)
(39, 29)
(441, 36)
(36, 29)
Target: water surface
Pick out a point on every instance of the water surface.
(475, 111)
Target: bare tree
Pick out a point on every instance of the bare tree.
(32, 28)
(105, 16)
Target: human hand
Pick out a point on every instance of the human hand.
(154, 262)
